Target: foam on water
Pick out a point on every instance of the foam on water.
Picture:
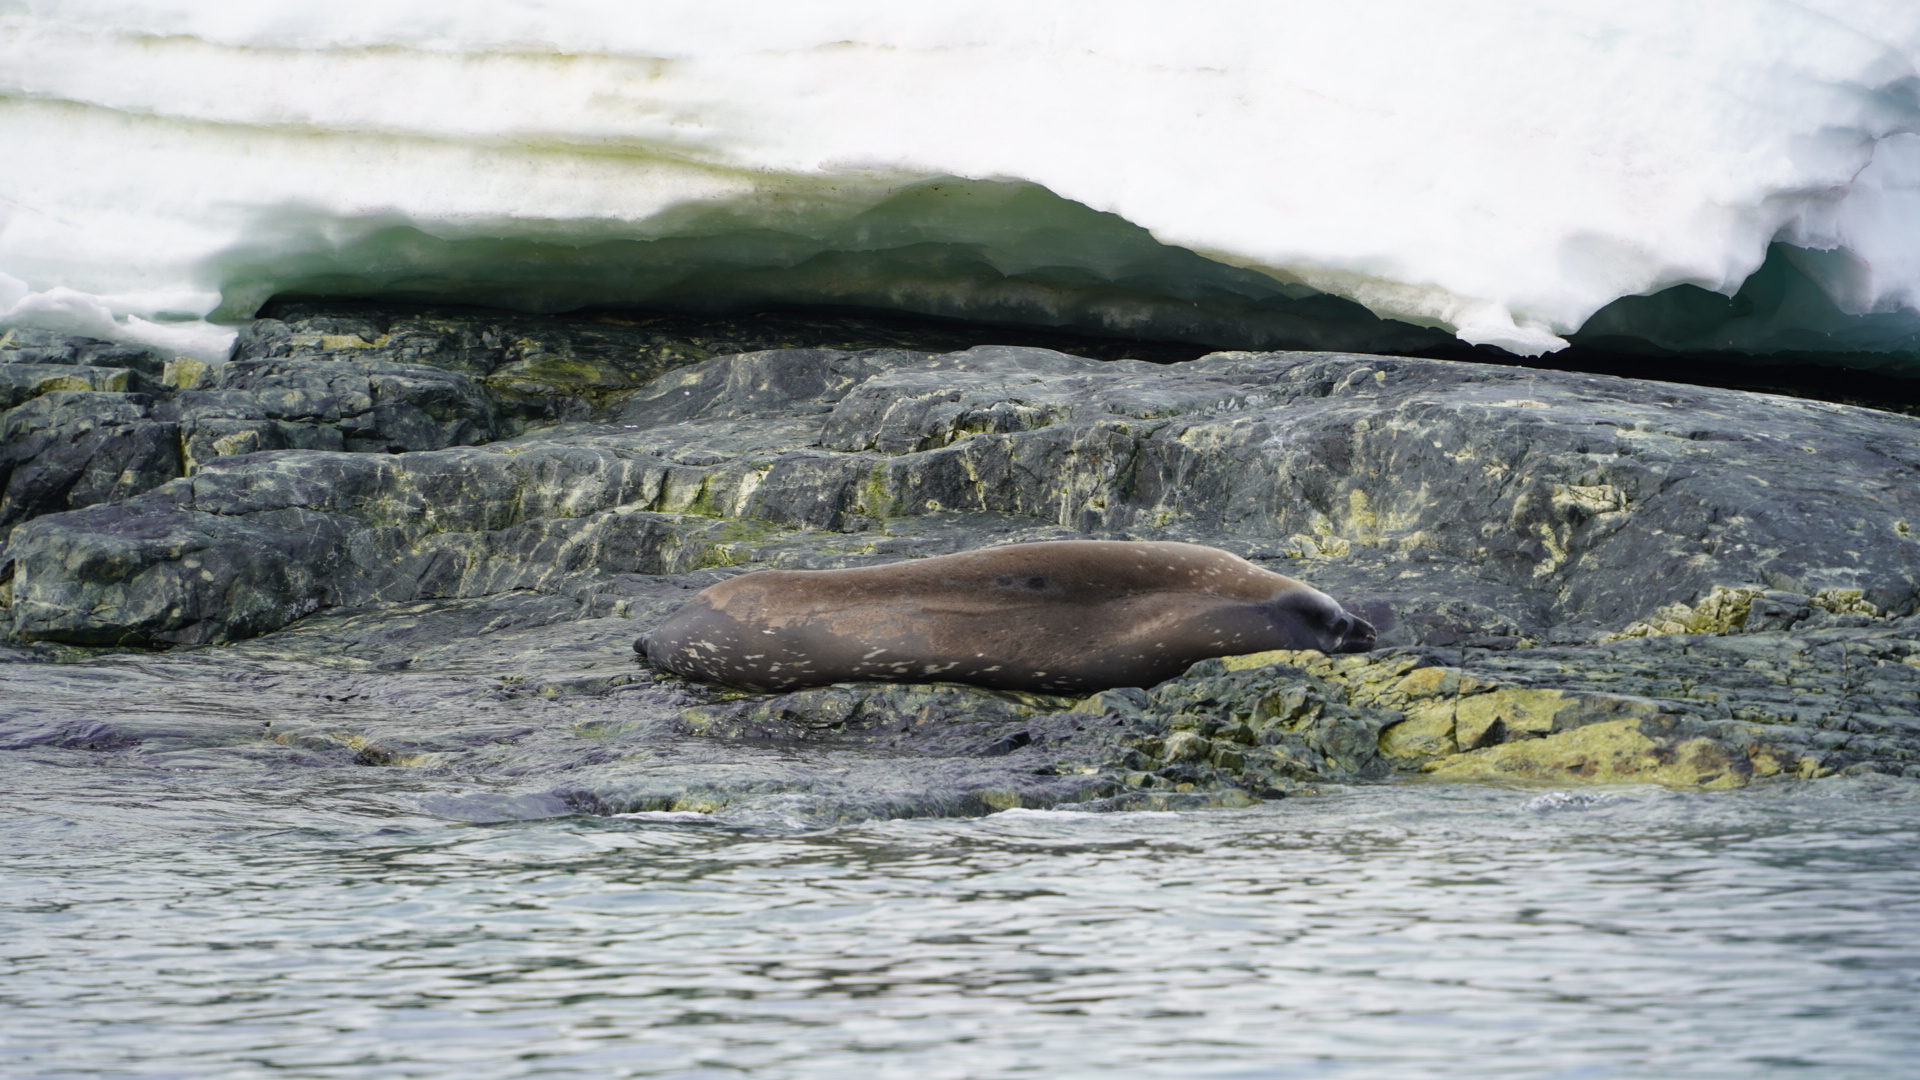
(1499, 172)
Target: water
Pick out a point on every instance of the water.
(157, 923)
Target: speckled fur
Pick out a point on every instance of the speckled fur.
(1061, 617)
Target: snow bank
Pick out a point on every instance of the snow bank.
(1498, 171)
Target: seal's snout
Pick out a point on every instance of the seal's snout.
(1355, 633)
(640, 644)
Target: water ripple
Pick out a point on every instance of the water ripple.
(154, 928)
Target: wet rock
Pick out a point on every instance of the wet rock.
(146, 573)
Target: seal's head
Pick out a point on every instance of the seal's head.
(1318, 621)
(1353, 633)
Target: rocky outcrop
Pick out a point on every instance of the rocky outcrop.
(1577, 578)
(1454, 503)
(346, 377)
(77, 426)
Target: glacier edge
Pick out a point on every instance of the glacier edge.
(1506, 176)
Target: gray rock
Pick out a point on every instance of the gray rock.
(75, 432)
(45, 347)
(359, 406)
(23, 382)
(1458, 504)
(540, 369)
(66, 449)
(76, 425)
(1753, 555)
(374, 381)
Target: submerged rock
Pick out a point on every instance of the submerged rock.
(1581, 578)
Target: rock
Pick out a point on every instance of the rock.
(66, 449)
(23, 345)
(363, 406)
(353, 378)
(73, 442)
(77, 425)
(145, 573)
(23, 382)
(1456, 503)
(249, 544)
(1705, 711)
(546, 368)
(1579, 578)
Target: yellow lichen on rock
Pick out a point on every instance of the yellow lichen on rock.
(337, 342)
(1184, 746)
(1426, 732)
(1845, 602)
(66, 382)
(1362, 518)
(1610, 752)
(1429, 682)
(1721, 611)
(1725, 610)
(1270, 658)
(1447, 712)
(1501, 715)
(1770, 761)
(1588, 498)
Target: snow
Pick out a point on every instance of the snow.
(1498, 170)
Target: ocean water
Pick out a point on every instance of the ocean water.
(170, 923)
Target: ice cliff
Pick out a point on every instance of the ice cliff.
(1746, 173)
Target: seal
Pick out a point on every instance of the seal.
(1067, 616)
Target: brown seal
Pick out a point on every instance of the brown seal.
(1069, 616)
